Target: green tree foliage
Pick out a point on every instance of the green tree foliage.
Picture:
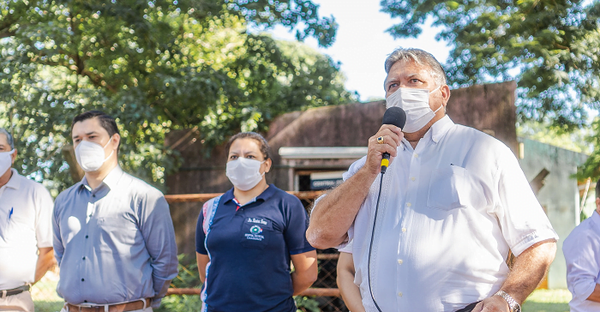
(550, 47)
(156, 66)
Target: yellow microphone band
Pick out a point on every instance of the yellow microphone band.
(385, 162)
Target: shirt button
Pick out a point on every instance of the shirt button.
(400, 294)
(403, 230)
(86, 236)
(412, 178)
(83, 279)
(83, 258)
(94, 195)
(408, 204)
(416, 155)
(400, 261)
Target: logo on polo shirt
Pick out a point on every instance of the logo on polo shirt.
(255, 233)
(255, 229)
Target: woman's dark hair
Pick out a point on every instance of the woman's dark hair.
(262, 143)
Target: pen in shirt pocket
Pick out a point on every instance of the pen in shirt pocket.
(10, 212)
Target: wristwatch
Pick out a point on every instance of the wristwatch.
(512, 303)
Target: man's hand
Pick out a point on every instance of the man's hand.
(492, 304)
(392, 136)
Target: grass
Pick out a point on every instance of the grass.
(545, 300)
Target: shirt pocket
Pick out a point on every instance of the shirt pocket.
(256, 232)
(116, 231)
(452, 187)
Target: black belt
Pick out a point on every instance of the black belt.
(14, 291)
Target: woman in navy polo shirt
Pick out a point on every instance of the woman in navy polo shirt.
(246, 238)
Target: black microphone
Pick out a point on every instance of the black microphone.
(392, 116)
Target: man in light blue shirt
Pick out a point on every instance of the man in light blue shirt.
(582, 254)
(113, 235)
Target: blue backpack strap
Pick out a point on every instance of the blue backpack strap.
(209, 209)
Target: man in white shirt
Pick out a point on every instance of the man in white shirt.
(25, 231)
(582, 253)
(453, 203)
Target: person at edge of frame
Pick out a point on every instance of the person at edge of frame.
(25, 231)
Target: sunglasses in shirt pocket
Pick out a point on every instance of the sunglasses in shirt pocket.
(256, 232)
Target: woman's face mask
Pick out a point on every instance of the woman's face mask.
(415, 102)
(244, 173)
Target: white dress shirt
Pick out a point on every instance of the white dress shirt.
(582, 253)
(450, 210)
(25, 226)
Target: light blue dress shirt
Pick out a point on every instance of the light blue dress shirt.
(115, 243)
(582, 254)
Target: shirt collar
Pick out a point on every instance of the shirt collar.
(14, 182)
(265, 195)
(436, 132)
(110, 180)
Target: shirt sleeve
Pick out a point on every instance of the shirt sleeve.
(582, 255)
(347, 248)
(200, 236)
(297, 223)
(159, 235)
(57, 243)
(521, 217)
(44, 206)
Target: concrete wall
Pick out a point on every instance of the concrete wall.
(559, 196)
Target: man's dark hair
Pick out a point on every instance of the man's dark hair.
(106, 121)
(598, 189)
(264, 146)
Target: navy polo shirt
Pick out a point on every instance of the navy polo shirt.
(250, 250)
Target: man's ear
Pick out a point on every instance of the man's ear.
(445, 90)
(117, 139)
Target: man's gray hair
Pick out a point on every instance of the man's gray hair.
(9, 138)
(420, 57)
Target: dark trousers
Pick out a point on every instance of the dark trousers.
(468, 308)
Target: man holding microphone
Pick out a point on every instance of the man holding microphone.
(453, 203)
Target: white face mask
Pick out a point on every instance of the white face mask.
(415, 102)
(90, 156)
(5, 161)
(244, 173)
